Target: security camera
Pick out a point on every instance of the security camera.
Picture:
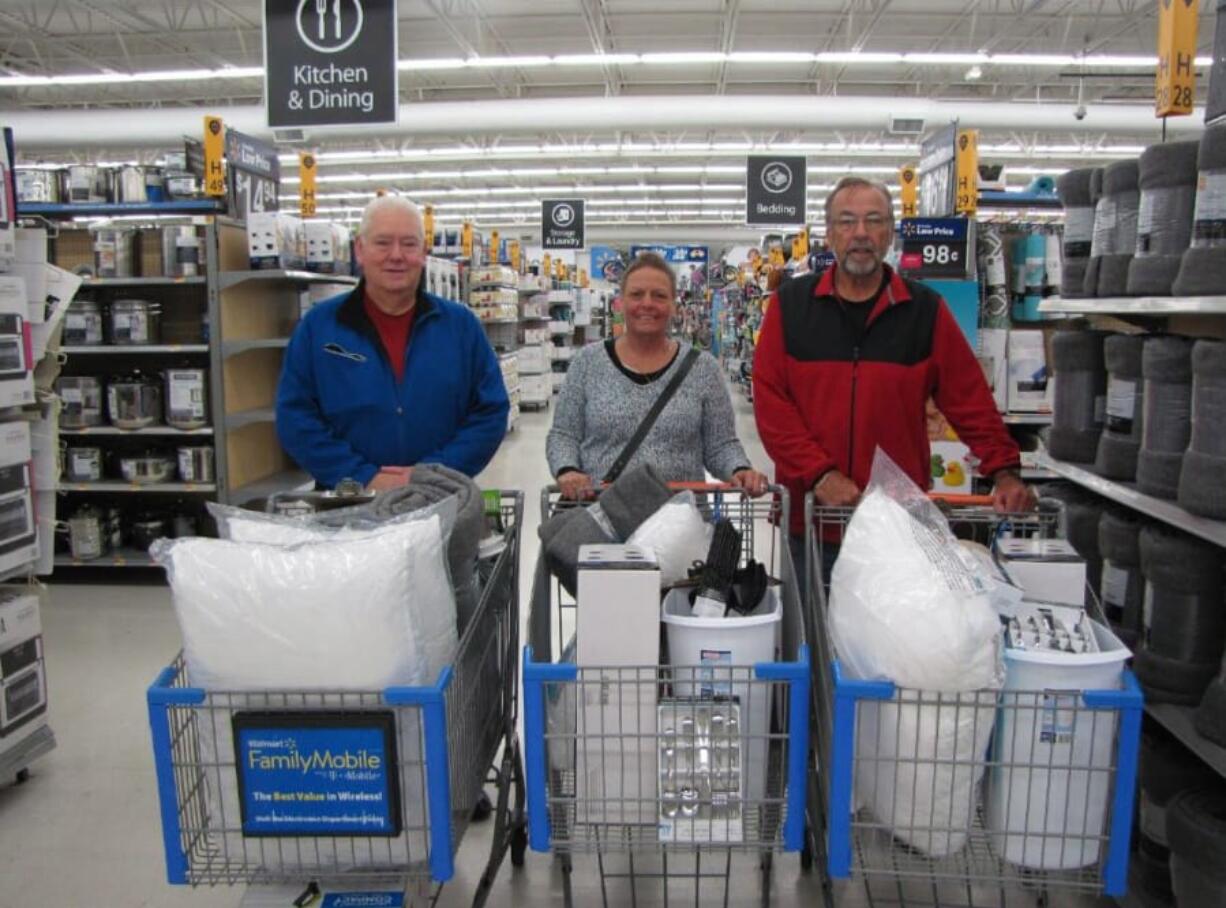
(1079, 112)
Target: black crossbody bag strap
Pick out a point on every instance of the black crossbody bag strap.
(652, 415)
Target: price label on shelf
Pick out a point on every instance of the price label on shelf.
(936, 247)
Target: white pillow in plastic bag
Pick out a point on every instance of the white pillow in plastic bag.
(329, 615)
(678, 536)
(431, 600)
(910, 605)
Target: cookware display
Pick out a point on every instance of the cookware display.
(133, 401)
(135, 321)
(81, 396)
(187, 398)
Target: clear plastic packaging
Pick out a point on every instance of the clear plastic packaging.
(678, 535)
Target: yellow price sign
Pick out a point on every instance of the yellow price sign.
(307, 167)
(908, 180)
(427, 227)
(1175, 86)
(966, 172)
(466, 240)
(214, 156)
(513, 254)
(494, 250)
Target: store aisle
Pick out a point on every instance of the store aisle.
(84, 830)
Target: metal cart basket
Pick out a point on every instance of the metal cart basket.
(441, 742)
(978, 798)
(702, 773)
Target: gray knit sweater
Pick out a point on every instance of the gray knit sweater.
(599, 408)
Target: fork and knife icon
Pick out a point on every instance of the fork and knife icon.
(321, 12)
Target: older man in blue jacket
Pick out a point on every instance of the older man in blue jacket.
(389, 376)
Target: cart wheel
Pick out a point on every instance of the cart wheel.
(519, 845)
(23, 776)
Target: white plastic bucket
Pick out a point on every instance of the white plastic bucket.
(1050, 783)
(714, 645)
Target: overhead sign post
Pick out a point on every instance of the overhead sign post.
(214, 154)
(908, 181)
(330, 63)
(775, 190)
(307, 165)
(1175, 89)
(966, 172)
(562, 223)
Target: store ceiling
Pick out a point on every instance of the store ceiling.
(778, 52)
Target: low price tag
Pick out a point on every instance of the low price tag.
(934, 247)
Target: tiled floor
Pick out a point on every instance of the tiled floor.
(84, 830)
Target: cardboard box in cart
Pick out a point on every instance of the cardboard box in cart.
(617, 630)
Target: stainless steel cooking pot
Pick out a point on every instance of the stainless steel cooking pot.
(147, 468)
(133, 402)
(82, 399)
(196, 464)
(135, 321)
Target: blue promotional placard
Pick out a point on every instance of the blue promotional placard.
(675, 255)
(317, 773)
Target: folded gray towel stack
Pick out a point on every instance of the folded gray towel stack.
(430, 484)
(632, 498)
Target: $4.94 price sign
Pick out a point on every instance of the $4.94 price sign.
(935, 247)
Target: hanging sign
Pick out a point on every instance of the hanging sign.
(513, 255)
(775, 189)
(937, 183)
(317, 773)
(214, 154)
(253, 174)
(562, 223)
(307, 166)
(908, 181)
(466, 240)
(1175, 88)
(966, 172)
(427, 227)
(494, 252)
(330, 62)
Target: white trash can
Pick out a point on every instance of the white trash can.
(1052, 757)
(715, 645)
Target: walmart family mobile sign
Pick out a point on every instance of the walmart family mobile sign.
(330, 62)
(317, 773)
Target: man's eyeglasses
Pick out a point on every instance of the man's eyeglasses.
(847, 222)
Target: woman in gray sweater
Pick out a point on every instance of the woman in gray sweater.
(610, 387)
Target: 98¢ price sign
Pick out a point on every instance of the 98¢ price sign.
(935, 247)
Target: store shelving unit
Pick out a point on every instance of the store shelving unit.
(1155, 306)
(186, 311)
(1123, 493)
(126, 557)
(254, 312)
(1026, 419)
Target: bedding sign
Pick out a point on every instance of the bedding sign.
(317, 773)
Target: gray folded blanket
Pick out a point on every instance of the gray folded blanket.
(631, 499)
(430, 484)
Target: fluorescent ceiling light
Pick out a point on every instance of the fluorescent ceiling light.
(536, 61)
(684, 57)
(111, 77)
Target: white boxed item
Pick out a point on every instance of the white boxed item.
(701, 764)
(30, 266)
(275, 240)
(16, 349)
(910, 605)
(533, 360)
(952, 467)
(496, 297)
(327, 247)
(23, 678)
(709, 651)
(1047, 570)
(535, 388)
(994, 357)
(617, 634)
(1051, 780)
(18, 533)
(1030, 390)
(498, 275)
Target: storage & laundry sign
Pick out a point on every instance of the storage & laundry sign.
(330, 62)
(562, 223)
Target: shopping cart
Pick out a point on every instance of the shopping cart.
(442, 742)
(1045, 805)
(623, 792)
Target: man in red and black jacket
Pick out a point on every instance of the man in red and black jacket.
(847, 360)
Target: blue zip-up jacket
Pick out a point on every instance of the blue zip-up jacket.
(342, 414)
